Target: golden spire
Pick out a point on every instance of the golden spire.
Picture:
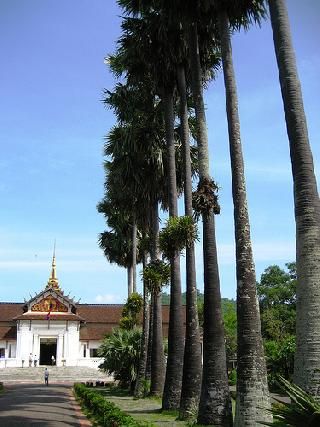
(53, 280)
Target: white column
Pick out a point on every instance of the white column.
(36, 348)
(59, 349)
(18, 352)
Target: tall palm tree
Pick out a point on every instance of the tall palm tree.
(191, 381)
(157, 352)
(148, 44)
(173, 381)
(307, 206)
(149, 175)
(219, 407)
(215, 401)
(253, 401)
(139, 390)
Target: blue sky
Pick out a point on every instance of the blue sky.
(52, 126)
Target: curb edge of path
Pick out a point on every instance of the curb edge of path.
(83, 420)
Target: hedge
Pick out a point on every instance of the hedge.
(103, 411)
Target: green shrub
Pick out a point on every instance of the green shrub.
(105, 413)
(280, 359)
(121, 351)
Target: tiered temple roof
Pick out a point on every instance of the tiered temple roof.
(96, 320)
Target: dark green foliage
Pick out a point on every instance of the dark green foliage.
(121, 351)
(156, 274)
(280, 358)
(179, 233)
(131, 311)
(230, 327)
(303, 410)
(232, 377)
(205, 199)
(278, 286)
(105, 413)
(166, 297)
(277, 297)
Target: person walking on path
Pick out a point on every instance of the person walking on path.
(46, 376)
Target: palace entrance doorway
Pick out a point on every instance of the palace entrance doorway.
(48, 348)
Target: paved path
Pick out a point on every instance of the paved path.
(35, 405)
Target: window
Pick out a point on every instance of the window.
(2, 352)
(94, 352)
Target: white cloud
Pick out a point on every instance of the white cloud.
(274, 172)
(108, 299)
(268, 251)
(75, 265)
(282, 251)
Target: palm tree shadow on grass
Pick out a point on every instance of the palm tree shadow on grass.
(116, 392)
(146, 411)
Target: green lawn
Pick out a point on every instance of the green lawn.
(148, 409)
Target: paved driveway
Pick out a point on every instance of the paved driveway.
(39, 406)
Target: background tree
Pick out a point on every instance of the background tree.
(277, 297)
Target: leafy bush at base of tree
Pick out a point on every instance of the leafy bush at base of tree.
(121, 351)
(280, 359)
(303, 409)
(105, 413)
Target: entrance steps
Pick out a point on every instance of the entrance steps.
(57, 374)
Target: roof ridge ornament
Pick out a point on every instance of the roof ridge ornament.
(53, 280)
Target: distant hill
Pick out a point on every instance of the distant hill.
(225, 301)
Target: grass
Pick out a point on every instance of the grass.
(148, 409)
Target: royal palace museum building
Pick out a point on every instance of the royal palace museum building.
(53, 328)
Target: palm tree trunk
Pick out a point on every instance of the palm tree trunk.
(307, 207)
(215, 401)
(141, 375)
(129, 278)
(173, 381)
(191, 381)
(149, 355)
(157, 355)
(252, 387)
(134, 253)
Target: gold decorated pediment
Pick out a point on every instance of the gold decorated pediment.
(49, 304)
